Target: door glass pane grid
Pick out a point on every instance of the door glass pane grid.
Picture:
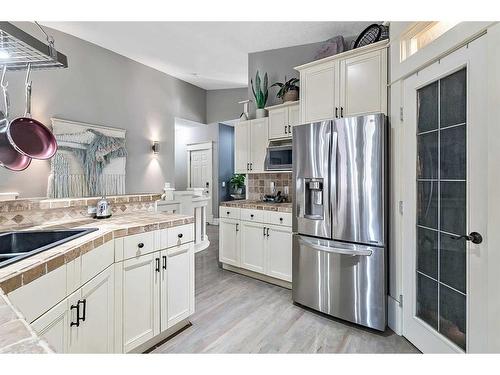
(441, 206)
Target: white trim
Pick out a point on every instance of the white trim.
(199, 146)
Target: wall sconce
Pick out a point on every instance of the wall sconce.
(156, 147)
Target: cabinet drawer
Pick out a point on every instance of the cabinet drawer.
(97, 260)
(280, 218)
(138, 244)
(229, 212)
(180, 235)
(252, 215)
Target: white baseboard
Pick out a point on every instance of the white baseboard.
(259, 276)
(394, 315)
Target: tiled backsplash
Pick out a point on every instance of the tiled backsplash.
(259, 184)
(19, 214)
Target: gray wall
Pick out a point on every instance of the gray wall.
(222, 105)
(105, 88)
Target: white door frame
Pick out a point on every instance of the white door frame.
(472, 56)
(200, 147)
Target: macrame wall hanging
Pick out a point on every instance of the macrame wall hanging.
(90, 160)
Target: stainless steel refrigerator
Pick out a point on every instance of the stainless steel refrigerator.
(339, 218)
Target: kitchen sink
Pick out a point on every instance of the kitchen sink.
(15, 246)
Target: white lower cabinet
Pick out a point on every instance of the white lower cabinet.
(140, 300)
(253, 237)
(84, 321)
(177, 283)
(260, 242)
(229, 241)
(279, 252)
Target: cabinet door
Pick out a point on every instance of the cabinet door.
(53, 327)
(229, 244)
(278, 123)
(293, 115)
(241, 147)
(179, 288)
(97, 330)
(319, 91)
(252, 246)
(279, 253)
(140, 300)
(363, 87)
(258, 144)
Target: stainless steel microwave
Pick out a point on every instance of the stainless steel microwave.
(279, 156)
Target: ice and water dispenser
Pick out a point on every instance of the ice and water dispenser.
(313, 202)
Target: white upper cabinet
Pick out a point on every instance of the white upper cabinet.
(348, 84)
(241, 147)
(319, 91)
(258, 144)
(250, 145)
(282, 118)
(363, 84)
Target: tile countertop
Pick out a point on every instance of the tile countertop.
(16, 336)
(259, 205)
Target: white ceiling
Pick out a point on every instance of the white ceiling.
(211, 55)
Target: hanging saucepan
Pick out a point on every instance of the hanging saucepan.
(10, 158)
(29, 136)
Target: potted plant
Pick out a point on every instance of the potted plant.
(289, 91)
(260, 94)
(237, 183)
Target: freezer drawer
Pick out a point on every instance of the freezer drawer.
(346, 281)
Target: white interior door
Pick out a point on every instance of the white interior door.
(445, 182)
(200, 173)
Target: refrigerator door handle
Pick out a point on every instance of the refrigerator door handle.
(333, 181)
(336, 250)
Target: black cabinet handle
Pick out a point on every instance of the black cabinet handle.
(164, 257)
(285, 129)
(251, 166)
(84, 303)
(267, 232)
(251, 215)
(341, 111)
(180, 235)
(77, 307)
(157, 260)
(237, 227)
(281, 219)
(227, 212)
(336, 112)
(289, 129)
(140, 245)
(248, 166)
(264, 231)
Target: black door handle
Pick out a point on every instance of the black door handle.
(164, 262)
(473, 237)
(157, 260)
(77, 307)
(84, 303)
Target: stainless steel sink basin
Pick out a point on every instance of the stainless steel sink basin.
(15, 246)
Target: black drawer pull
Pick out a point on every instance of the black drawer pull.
(84, 303)
(227, 212)
(77, 307)
(281, 219)
(180, 235)
(251, 215)
(140, 245)
(164, 257)
(157, 260)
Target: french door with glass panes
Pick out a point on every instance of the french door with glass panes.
(444, 257)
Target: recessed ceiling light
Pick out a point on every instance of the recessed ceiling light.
(4, 54)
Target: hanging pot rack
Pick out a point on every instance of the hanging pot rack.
(19, 49)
